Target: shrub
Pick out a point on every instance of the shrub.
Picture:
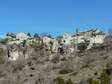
(51, 44)
(65, 71)
(105, 78)
(93, 81)
(83, 46)
(17, 66)
(24, 43)
(1, 52)
(1, 56)
(4, 41)
(109, 65)
(67, 67)
(69, 81)
(60, 80)
(38, 45)
(108, 40)
(2, 70)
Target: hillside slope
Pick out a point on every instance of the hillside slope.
(78, 68)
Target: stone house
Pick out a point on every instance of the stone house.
(94, 36)
(22, 36)
(66, 39)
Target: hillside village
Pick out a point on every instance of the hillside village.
(62, 44)
(82, 58)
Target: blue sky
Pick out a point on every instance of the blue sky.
(54, 16)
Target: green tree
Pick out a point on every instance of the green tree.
(29, 34)
(36, 35)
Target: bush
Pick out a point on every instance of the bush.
(38, 45)
(67, 67)
(65, 71)
(4, 41)
(83, 46)
(17, 66)
(24, 43)
(1, 52)
(60, 80)
(93, 81)
(105, 78)
(1, 56)
(69, 81)
(108, 40)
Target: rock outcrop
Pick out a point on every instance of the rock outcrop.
(16, 51)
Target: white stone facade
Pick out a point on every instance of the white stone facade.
(22, 36)
(66, 39)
